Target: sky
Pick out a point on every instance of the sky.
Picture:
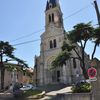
(24, 20)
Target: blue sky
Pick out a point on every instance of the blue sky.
(19, 18)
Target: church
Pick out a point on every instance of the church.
(51, 43)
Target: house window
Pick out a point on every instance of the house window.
(51, 45)
(54, 41)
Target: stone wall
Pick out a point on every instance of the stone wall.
(96, 84)
(75, 96)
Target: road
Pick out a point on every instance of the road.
(8, 96)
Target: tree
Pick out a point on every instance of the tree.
(6, 50)
(79, 36)
(96, 40)
(61, 59)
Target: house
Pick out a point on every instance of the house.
(16, 73)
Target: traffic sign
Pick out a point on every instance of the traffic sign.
(92, 79)
(92, 73)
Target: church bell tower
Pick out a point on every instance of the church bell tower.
(51, 43)
(53, 14)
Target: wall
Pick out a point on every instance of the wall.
(96, 84)
(75, 96)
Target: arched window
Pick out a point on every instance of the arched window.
(49, 18)
(52, 17)
(74, 63)
(50, 5)
(54, 41)
(51, 45)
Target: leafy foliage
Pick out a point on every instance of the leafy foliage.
(96, 40)
(61, 59)
(6, 50)
(82, 87)
(81, 32)
(96, 36)
(67, 47)
(31, 93)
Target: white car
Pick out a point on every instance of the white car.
(27, 87)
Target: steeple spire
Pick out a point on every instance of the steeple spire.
(51, 3)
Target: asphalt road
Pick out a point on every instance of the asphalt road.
(6, 96)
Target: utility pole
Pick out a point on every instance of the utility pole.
(97, 11)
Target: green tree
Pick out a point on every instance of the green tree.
(61, 59)
(6, 50)
(96, 40)
(78, 37)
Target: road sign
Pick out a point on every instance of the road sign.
(92, 79)
(92, 73)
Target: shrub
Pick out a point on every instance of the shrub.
(82, 87)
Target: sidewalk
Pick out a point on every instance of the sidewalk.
(53, 94)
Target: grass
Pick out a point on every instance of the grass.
(31, 93)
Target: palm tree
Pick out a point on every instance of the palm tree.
(96, 38)
(60, 60)
(79, 36)
(5, 50)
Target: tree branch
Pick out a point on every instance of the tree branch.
(77, 54)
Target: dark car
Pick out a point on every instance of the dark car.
(16, 90)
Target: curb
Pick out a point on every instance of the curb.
(38, 96)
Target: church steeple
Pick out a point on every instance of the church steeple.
(53, 14)
(52, 3)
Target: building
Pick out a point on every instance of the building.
(15, 73)
(51, 42)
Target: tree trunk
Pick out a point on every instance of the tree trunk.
(83, 65)
(85, 73)
(94, 51)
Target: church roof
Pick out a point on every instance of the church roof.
(53, 2)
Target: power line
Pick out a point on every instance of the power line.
(34, 40)
(78, 11)
(26, 42)
(26, 35)
(43, 28)
(40, 39)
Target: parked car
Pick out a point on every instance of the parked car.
(16, 90)
(27, 87)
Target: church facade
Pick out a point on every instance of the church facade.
(51, 43)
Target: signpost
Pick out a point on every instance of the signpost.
(92, 73)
